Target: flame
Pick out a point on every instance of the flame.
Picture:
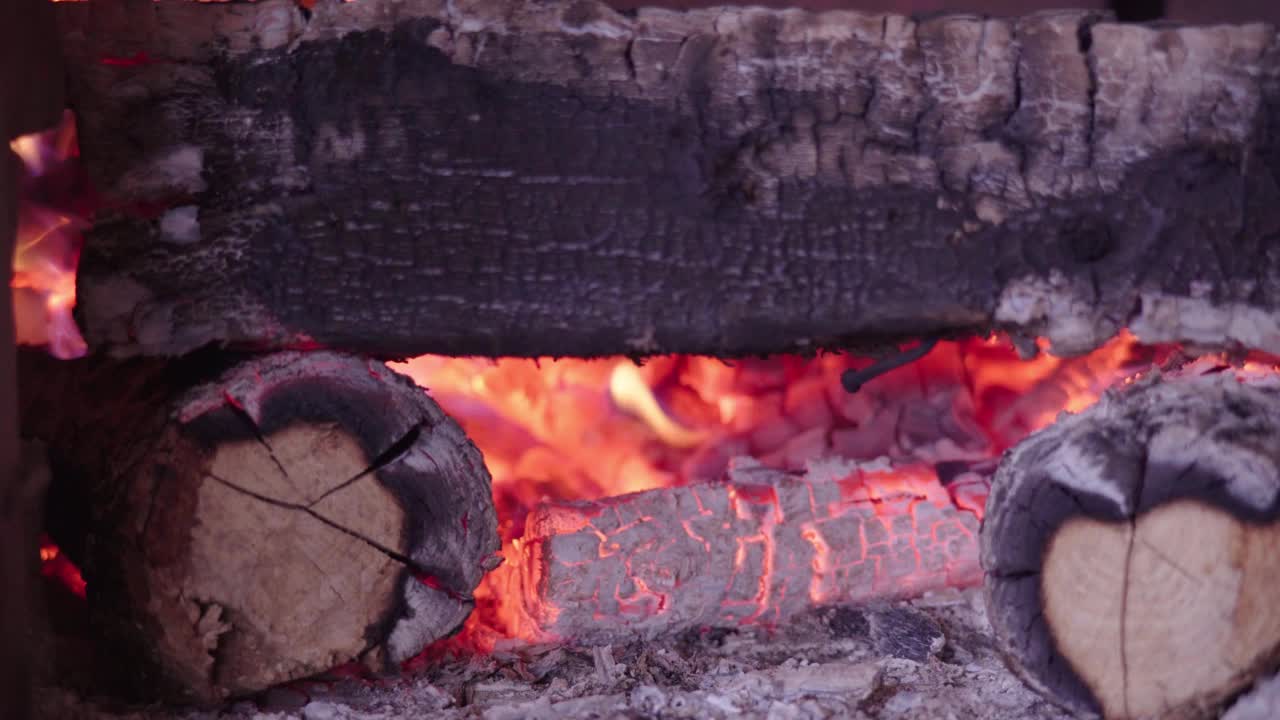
(48, 240)
(567, 431)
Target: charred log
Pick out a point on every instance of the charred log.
(264, 522)
(505, 178)
(756, 548)
(1130, 550)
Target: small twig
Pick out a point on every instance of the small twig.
(853, 380)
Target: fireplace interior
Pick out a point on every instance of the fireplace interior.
(485, 358)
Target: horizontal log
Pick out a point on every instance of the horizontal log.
(754, 549)
(503, 178)
(1130, 550)
(246, 526)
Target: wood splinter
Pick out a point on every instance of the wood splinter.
(249, 526)
(1131, 554)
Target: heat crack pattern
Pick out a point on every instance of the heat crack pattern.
(755, 548)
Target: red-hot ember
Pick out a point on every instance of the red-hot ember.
(57, 567)
(51, 205)
(791, 491)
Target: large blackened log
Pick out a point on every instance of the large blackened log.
(500, 177)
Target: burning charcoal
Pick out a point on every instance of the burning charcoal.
(712, 459)
(772, 434)
(753, 550)
(805, 402)
(799, 450)
(854, 408)
(1130, 550)
(873, 439)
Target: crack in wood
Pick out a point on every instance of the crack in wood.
(403, 559)
(385, 458)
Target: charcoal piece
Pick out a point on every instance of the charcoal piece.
(903, 632)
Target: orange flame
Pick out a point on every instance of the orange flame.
(48, 242)
(560, 430)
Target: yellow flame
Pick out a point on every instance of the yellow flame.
(629, 390)
(43, 279)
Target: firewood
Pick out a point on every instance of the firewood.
(260, 523)
(720, 181)
(1130, 550)
(754, 549)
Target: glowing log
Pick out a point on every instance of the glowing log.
(502, 177)
(292, 513)
(1131, 551)
(755, 548)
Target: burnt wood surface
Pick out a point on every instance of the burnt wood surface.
(242, 524)
(755, 546)
(32, 88)
(505, 178)
(1129, 551)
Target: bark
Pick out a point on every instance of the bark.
(755, 549)
(31, 99)
(1130, 550)
(501, 178)
(261, 523)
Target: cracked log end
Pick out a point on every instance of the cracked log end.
(295, 513)
(1130, 550)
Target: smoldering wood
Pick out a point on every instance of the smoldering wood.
(1127, 548)
(757, 548)
(500, 178)
(251, 522)
(31, 99)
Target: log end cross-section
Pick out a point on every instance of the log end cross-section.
(295, 513)
(1130, 551)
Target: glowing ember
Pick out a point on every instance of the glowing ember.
(56, 566)
(755, 549)
(846, 504)
(48, 241)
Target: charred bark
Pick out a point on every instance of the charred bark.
(256, 524)
(1130, 550)
(502, 178)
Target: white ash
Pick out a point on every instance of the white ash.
(1199, 320)
(829, 663)
(176, 170)
(181, 225)
(832, 662)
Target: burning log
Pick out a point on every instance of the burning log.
(587, 182)
(754, 549)
(1130, 551)
(290, 514)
